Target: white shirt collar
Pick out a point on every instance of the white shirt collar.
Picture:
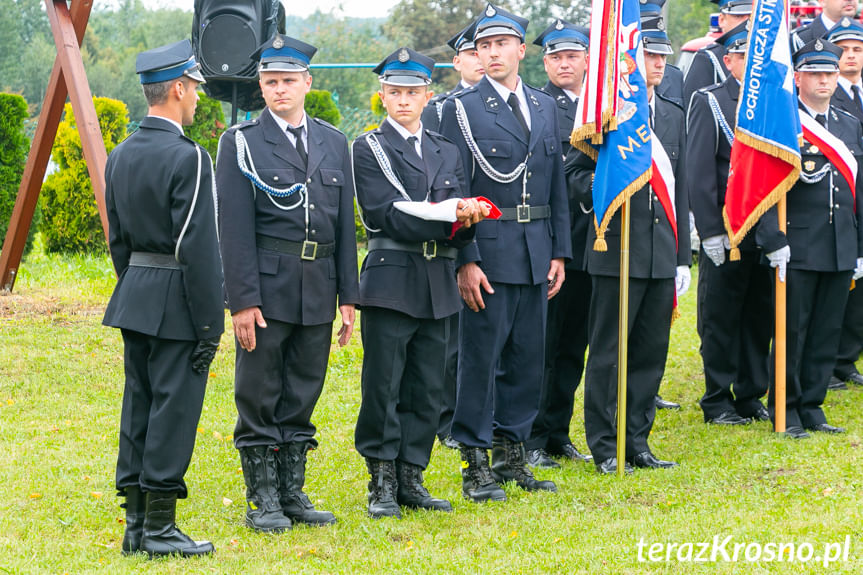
(828, 23)
(812, 112)
(846, 85)
(405, 133)
(170, 121)
(570, 94)
(504, 93)
(283, 126)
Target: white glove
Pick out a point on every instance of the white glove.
(682, 280)
(858, 271)
(714, 247)
(779, 259)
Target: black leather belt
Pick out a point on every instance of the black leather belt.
(525, 213)
(151, 260)
(428, 250)
(307, 250)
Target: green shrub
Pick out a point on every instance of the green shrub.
(13, 157)
(70, 219)
(208, 125)
(320, 104)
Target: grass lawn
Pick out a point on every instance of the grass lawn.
(61, 380)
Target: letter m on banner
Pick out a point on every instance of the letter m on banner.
(765, 155)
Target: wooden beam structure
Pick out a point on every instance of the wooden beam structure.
(68, 78)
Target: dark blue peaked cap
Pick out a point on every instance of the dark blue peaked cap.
(496, 22)
(736, 7)
(167, 63)
(650, 6)
(819, 55)
(284, 54)
(462, 41)
(845, 29)
(562, 35)
(405, 67)
(736, 39)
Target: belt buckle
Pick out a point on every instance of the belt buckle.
(430, 254)
(310, 250)
(522, 213)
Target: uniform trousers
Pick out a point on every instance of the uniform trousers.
(851, 340)
(815, 305)
(735, 321)
(277, 385)
(501, 351)
(651, 303)
(162, 401)
(402, 383)
(565, 346)
(447, 406)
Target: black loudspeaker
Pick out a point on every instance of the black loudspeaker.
(224, 34)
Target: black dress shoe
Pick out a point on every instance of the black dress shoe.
(540, 458)
(855, 378)
(760, 414)
(664, 403)
(826, 428)
(795, 432)
(609, 466)
(729, 418)
(836, 384)
(648, 460)
(569, 451)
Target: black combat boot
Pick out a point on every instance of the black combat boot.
(477, 483)
(292, 477)
(508, 463)
(261, 472)
(161, 534)
(382, 489)
(136, 507)
(411, 492)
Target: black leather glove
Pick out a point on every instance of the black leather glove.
(203, 354)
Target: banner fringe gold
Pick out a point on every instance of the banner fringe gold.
(627, 192)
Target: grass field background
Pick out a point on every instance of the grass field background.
(61, 380)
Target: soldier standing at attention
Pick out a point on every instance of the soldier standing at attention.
(289, 248)
(408, 288)
(508, 134)
(168, 299)
(565, 59)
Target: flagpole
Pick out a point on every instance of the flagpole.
(623, 338)
(779, 341)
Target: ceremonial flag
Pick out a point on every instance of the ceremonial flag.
(765, 155)
(612, 120)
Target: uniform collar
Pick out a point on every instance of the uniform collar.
(403, 132)
(283, 124)
(170, 121)
(846, 85)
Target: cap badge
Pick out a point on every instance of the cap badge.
(404, 56)
(490, 11)
(660, 25)
(278, 43)
(558, 25)
(809, 165)
(818, 45)
(813, 149)
(846, 22)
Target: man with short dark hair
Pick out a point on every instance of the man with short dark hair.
(168, 298)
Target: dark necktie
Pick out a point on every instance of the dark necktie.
(821, 119)
(412, 142)
(649, 107)
(301, 148)
(858, 100)
(516, 109)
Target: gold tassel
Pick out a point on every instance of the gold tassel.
(675, 315)
(734, 255)
(853, 284)
(599, 245)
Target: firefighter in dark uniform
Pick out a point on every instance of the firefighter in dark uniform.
(659, 268)
(708, 66)
(408, 287)
(467, 64)
(168, 298)
(735, 319)
(671, 88)
(822, 245)
(832, 11)
(289, 249)
(512, 141)
(848, 35)
(565, 58)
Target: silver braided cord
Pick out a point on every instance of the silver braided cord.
(816, 177)
(252, 174)
(385, 165)
(720, 118)
(484, 164)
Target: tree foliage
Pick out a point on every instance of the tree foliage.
(70, 219)
(208, 125)
(320, 104)
(13, 157)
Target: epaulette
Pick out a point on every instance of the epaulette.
(673, 66)
(710, 88)
(243, 124)
(460, 93)
(326, 124)
(836, 109)
(669, 100)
